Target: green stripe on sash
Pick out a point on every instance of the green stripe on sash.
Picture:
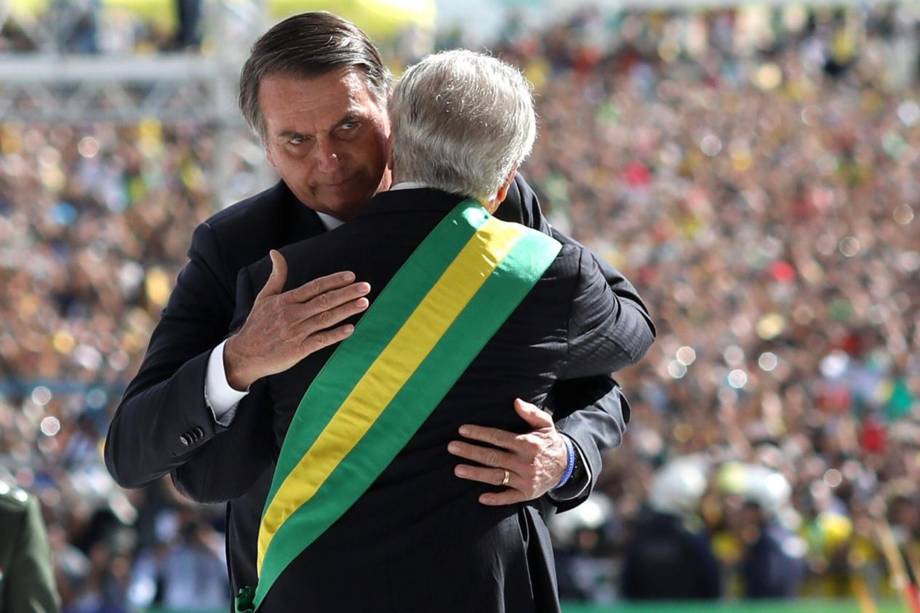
(461, 283)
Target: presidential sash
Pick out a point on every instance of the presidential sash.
(410, 347)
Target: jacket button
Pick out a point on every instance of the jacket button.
(184, 439)
(199, 433)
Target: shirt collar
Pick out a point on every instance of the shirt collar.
(408, 185)
(329, 221)
(332, 223)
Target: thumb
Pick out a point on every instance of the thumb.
(276, 280)
(533, 415)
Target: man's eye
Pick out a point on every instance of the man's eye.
(296, 140)
(350, 125)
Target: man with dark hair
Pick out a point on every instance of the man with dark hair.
(468, 312)
(314, 90)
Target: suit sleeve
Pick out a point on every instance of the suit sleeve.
(228, 466)
(607, 331)
(596, 417)
(595, 408)
(163, 419)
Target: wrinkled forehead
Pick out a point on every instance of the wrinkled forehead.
(311, 104)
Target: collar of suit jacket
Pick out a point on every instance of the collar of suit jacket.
(411, 198)
(414, 199)
(408, 197)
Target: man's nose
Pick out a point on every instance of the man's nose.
(328, 158)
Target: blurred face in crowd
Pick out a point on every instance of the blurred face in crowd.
(327, 138)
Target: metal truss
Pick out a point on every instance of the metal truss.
(80, 89)
(50, 87)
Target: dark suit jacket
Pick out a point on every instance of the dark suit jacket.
(445, 551)
(163, 425)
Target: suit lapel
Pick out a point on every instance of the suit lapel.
(302, 222)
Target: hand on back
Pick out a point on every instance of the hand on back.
(285, 327)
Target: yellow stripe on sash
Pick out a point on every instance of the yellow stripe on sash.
(399, 359)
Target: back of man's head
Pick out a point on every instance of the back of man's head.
(461, 122)
(309, 45)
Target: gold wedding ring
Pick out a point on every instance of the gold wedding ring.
(507, 477)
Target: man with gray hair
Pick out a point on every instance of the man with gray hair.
(314, 89)
(463, 123)
(468, 314)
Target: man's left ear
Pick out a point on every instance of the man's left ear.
(502, 192)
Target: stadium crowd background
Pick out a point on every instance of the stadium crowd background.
(755, 173)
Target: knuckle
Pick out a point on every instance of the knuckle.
(305, 292)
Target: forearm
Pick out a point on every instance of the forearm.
(163, 419)
(226, 467)
(229, 464)
(160, 426)
(626, 337)
(594, 413)
(605, 332)
(591, 410)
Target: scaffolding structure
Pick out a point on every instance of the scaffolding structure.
(52, 87)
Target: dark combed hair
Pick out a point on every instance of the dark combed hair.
(309, 45)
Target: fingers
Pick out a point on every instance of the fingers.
(532, 414)
(494, 476)
(481, 474)
(486, 456)
(322, 308)
(319, 286)
(497, 499)
(278, 276)
(332, 317)
(320, 340)
(536, 459)
(493, 436)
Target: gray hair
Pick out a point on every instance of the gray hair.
(309, 45)
(461, 122)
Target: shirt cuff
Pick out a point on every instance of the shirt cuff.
(218, 395)
(580, 479)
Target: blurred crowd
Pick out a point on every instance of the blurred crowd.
(87, 27)
(755, 172)
(93, 227)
